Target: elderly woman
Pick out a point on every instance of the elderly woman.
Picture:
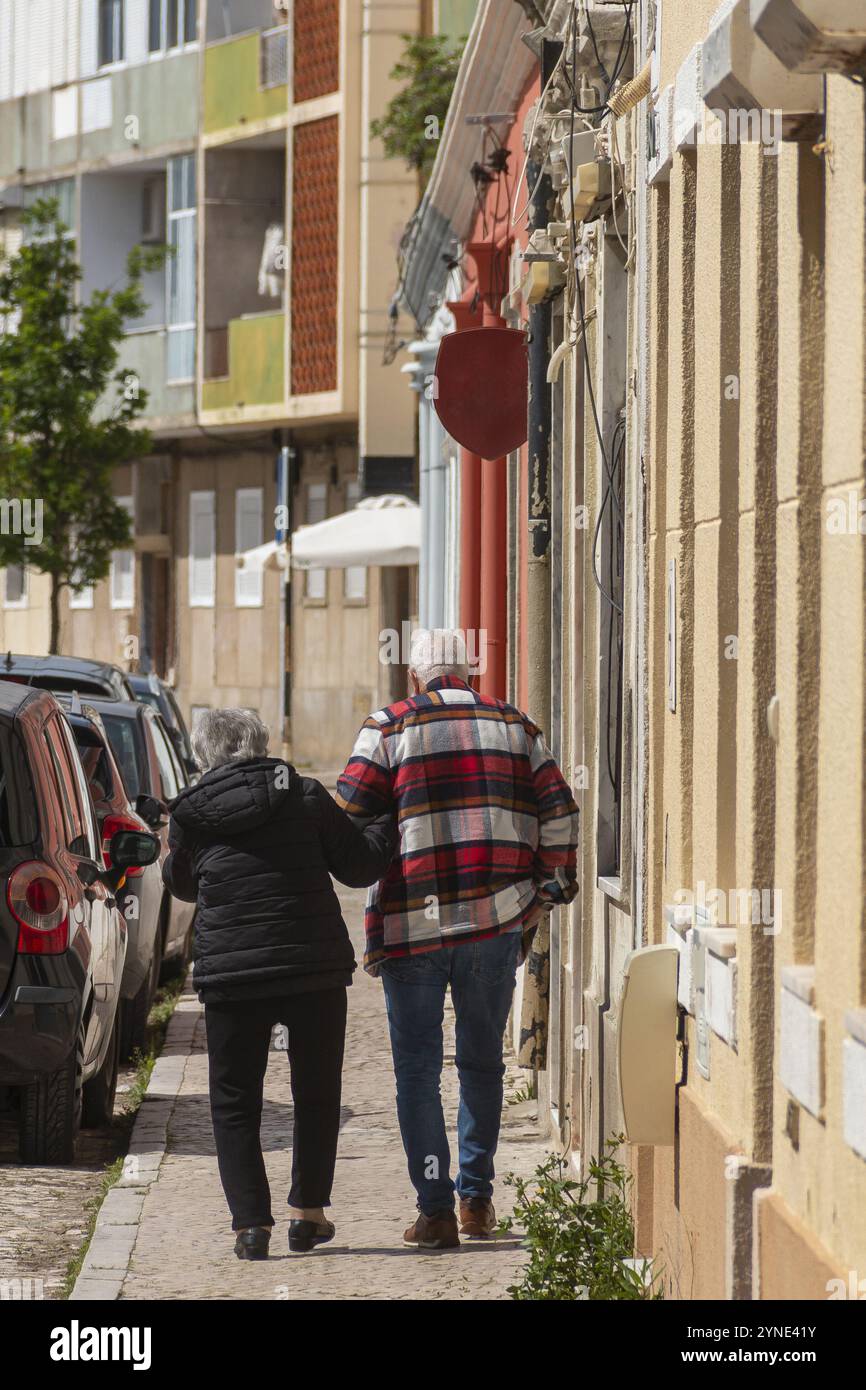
(253, 844)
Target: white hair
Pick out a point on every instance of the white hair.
(228, 736)
(438, 651)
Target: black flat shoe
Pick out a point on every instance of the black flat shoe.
(304, 1235)
(252, 1244)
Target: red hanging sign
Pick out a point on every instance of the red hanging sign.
(480, 389)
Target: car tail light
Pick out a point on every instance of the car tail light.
(110, 827)
(37, 900)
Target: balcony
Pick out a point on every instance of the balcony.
(245, 80)
(143, 359)
(255, 364)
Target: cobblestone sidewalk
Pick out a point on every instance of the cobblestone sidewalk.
(166, 1234)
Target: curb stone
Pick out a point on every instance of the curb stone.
(105, 1265)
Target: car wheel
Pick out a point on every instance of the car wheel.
(179, 964)
(99, 1091)
(135, 1012)
(51, 1111)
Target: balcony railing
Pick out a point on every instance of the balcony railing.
(274, 57)
(235, 93)
(256, 357)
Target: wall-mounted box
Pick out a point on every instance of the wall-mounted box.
(801, 1039)
(646, 1044)
(813, 35)
(720, 975)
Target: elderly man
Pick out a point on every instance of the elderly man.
(488, 835)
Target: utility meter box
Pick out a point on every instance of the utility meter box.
(647, 1044)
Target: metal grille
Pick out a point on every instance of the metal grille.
(317, 49)
(274, 52)
(315, 259)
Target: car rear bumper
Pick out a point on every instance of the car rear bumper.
(39, 1018)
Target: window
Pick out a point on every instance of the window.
(317, 510)
(122, 577)
(180, 269)
(81, 597)
(169, 781)
(202, 552)
(354, 576)
(127, 750)
(171, 24)
(248, 534)
(18, 823)
(62, 191)
(16, 588)
(83, 800)
(75, 827)
(110, 32)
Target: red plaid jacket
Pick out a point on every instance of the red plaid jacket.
(488, 826)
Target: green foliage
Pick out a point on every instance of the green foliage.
(67, 410)
(412, 123)
(578, 1244)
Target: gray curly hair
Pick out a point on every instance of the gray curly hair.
(228, 736)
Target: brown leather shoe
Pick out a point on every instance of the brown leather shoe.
(477, 1218)
(437, 1232)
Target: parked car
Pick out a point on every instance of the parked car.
(66, 673)
(153, 776)
(153, 691)
(142, 898)
(62, 936)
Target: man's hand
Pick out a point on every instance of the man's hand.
(535, 919)
(530, 927)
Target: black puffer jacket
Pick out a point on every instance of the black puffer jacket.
(254, 844)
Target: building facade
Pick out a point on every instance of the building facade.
(684, 571)
(238, 134)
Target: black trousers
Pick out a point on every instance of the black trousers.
(238, 1038)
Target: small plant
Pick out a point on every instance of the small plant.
(523, 1093)
(413, 119)
(580, 1246)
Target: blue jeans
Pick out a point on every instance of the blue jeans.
(481, 975)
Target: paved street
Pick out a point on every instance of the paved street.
(44, 1210)
(184, 1211)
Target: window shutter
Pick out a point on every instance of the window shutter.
(19, 48)
(59, 38)
(39, 46)
(89, 30)
(135, 23)
(123, 569)
(73, 40)
(6, 49)
(317, 510)
(202, 553)
(354, 576)
(249, 581)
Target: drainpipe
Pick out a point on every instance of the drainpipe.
(538, 452)
(436, 506)
(534, 1011)
(466, 315)
(491, 263)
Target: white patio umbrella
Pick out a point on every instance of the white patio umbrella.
(378, 531)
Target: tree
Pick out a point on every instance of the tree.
(67, 412)
(413, 119)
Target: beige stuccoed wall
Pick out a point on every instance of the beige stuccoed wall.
(757, 274)
(226, 655)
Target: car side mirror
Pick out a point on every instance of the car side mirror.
(132, 849)
(150, 808)
(87, 872)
